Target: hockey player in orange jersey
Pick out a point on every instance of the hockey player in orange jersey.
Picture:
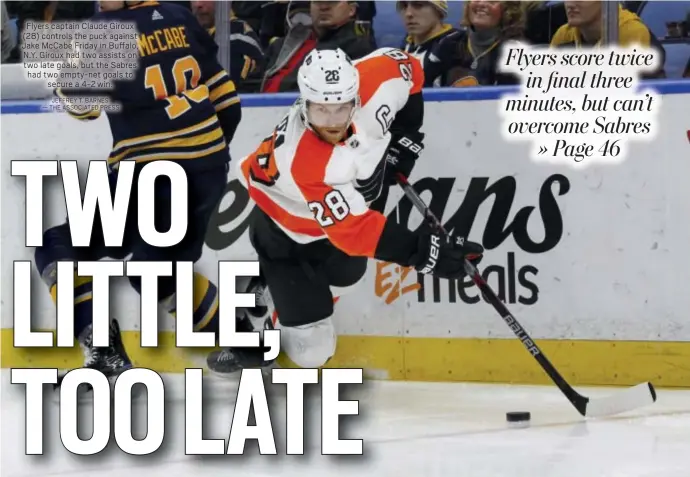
(314, 178)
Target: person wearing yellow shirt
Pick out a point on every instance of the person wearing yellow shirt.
(584, 28)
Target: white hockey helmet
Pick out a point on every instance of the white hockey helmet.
(328, 77)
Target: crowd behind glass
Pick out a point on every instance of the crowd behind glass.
(269, 39)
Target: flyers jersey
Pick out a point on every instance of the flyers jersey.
(306, 185)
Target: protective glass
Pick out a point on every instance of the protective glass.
(330, 115)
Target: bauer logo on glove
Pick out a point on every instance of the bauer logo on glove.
(432, 257)
(445, 258)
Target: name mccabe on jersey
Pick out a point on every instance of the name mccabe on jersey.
(162, 40)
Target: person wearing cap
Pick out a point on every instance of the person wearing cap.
(470, 57)
(425, 26)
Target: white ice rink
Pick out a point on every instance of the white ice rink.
(409, 430)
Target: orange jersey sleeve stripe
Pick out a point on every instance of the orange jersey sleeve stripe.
(373, 72)
(291, 222)
(356, 235)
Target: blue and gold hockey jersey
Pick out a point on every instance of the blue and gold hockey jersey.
(181, 106)
(246, 56)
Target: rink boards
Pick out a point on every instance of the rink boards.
(592, 262)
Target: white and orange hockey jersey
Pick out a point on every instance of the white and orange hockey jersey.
(306, 185)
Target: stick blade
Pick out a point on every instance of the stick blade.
(632, 398)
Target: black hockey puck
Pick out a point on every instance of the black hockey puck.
(518, 416)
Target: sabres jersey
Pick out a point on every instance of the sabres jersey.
(307, 186)
(246, 55)
(422, 51)
(171, 109)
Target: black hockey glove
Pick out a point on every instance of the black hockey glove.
(403, 152)
(445, 257)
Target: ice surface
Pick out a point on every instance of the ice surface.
(409, 430)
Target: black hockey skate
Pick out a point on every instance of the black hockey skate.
(227, 362)
(111, 360)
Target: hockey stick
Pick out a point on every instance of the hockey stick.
(623, 401)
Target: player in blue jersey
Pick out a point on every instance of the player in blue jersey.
(181, 106)
(246, 56)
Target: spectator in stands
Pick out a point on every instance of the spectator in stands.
(246, 56)
(364, 23)
(584, 28)
(332, 26)
(47, 12)
(8, 40)
(268, 18)
(425, 29)
(542, 20)
(470, 57)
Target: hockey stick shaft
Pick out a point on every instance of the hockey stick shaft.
(579, 401)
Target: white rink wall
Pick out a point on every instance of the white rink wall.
(602, 256)
(619, 271)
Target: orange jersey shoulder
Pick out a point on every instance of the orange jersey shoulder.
(387, 64)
